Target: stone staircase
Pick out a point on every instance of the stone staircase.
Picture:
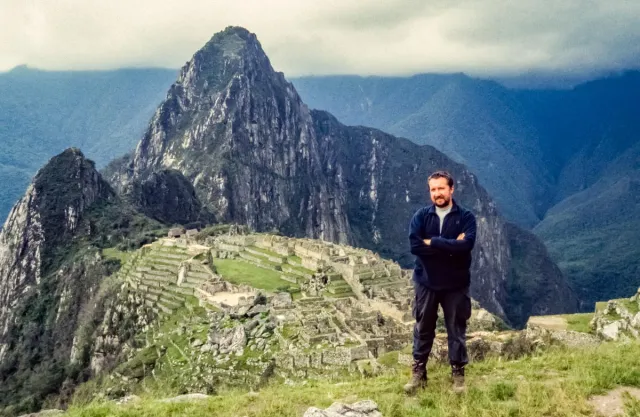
(154, 271)
(379, 277)
(338, 287)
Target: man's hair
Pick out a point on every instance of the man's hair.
(442, 174)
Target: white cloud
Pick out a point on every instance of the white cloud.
(328, 37)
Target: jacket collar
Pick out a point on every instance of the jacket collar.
(454, 207)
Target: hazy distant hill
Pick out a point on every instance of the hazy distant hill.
(42, 113)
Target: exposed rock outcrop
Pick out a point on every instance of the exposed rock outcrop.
(619, 319)
(168, 197)
(365, 408)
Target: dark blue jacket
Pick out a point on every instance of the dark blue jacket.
(445, 264)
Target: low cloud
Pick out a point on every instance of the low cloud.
(394, 37)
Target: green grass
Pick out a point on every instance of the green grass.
(555, 383)
(266, 252)
(578, 322)
(631, 306)
(601, 305)
(240, 272)
(114, 253)
(295, 258)
(300, 269)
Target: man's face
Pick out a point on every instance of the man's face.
(440, 192)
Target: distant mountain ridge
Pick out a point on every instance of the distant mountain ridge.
(44, 112)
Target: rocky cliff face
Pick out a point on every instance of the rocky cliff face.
(536, 285)
(257, 155)
(170, 198)
(50, 266)
(38, 225)
(239, 132)
(21, 242)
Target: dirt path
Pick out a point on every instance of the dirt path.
(549, 322)
(612, 404)
(229, 298)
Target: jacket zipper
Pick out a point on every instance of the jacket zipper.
(443, 223)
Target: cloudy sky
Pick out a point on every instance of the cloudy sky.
(492, 37)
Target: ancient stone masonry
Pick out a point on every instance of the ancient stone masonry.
(612, 320)
(324, 269)
(166, 273)
(348, 307)
(176, 232)
(618, 319)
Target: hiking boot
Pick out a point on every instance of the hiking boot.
(457, 376)
(418, 377)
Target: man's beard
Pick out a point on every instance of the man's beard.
(445, 204)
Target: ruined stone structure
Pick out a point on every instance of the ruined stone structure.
(618, 319)
(325, 269)
(350, 307)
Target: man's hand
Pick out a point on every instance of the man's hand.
(427, 242)
(460, 236)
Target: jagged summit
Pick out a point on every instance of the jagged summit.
(50, 266)
(233, 52)
(64, 188)
(232, 40)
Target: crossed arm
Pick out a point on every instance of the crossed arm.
(423, 248)
(463, 243)
(418, 244)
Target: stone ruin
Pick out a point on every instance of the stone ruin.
(351, 305)
(176, 232)
(619, 319)
(324, 269)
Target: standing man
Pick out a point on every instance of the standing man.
(442, 236)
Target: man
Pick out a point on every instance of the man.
(442, 236)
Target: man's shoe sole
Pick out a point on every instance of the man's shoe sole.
(413, 389)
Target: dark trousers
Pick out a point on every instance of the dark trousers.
(456, 305)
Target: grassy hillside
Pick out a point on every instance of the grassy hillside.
(593, 235)
(556, 383)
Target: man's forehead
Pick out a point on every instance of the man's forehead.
(438, 181)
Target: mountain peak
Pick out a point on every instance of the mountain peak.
(228, 54)
(233, 42)
(64, 189)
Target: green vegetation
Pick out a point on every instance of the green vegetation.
(41, 112)
(240, 272)
(301, 269)
(37, 363)
(531, 274)
(600, 259)
(632, 306)
(555, 383)
(266, 252)
(214, 230)
(114, 253)
(578, 322)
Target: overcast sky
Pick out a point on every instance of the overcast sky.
(301, 37)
